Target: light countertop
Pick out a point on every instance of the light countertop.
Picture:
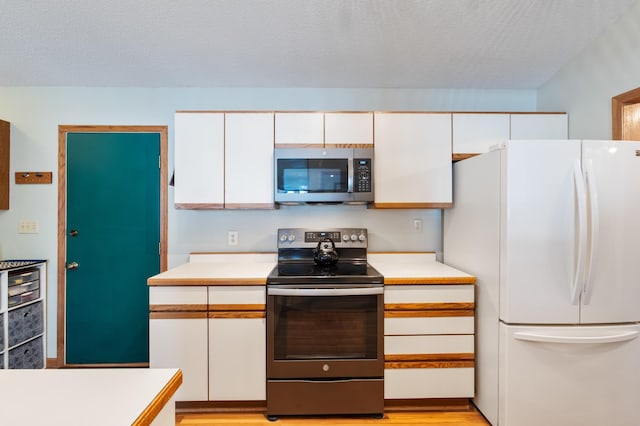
(397, 268)
(113, 396)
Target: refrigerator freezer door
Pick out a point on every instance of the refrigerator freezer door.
(613, 282)
(582, 376)
(538, 235)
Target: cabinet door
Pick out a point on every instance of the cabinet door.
(248, 160)
(237, 354)
(299, 128)
(199, 160)
(181, 343)
(350, 128)
(539, 126)
(476, 133)
(412, 166)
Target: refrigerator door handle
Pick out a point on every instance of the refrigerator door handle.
(581, 196)
(592, 191)
(605, 338)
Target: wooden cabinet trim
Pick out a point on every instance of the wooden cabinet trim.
(429, 357)
(178, 308)
(429, 306)
(429, 364)
(198, 206)
(410, 205)
(178, 315)
(430, 314)
(5, 154)
(237, 307)
(430, 281)
(236, 314)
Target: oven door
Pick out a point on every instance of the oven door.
(318, 333)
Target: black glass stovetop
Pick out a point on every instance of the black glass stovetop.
(310, 272)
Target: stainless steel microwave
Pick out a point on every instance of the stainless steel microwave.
(323, 175)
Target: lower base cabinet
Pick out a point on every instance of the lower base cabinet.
(215, 335)
(237, 354)
(429, 341)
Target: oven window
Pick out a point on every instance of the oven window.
(312, 175)
(314, 327)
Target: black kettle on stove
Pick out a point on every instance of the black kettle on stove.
(325, 253)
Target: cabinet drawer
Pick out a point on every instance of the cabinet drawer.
(29, 355)
(435, 344)
(178, 298)
(19, 289)
(428, 294)
(429, 383)
(237, 295)
(25, 323)
(428, 325)
(23, 276)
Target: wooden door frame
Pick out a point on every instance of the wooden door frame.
(63, 130)
(617, 110)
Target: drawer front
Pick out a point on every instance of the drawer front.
(428, 294)
(428, 325)
(23, 288)
(24, 276)
(23, 298)
(180, 295)
(29, 355)
(25, 323)
(237, 295)
(404, 383)
(444, 344)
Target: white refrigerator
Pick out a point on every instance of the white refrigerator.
(551, 230)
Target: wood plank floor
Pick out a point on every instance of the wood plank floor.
(427, 418)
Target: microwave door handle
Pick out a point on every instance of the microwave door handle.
(350, 175)
(360, 291)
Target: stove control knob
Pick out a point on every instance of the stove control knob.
(362, 237)
(283, 237)
(354, 237)
(345, 237)
(325, 367)
(292, 237)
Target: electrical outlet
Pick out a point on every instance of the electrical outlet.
(417, 225)
(232, 238)
(29, 227)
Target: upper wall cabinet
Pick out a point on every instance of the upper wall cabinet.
(214, 151)
(248, 182)
(348, 129)
(412, 165)
(539, 126)
(317, 129)
(199, 160)
(4, 164)
(473, 133)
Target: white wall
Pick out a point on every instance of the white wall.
(36, 112)
(584, 87)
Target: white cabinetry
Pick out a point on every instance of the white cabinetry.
(199, 160)
(215, 335)
(299, 128)
(248, 179)
(178, 336)
(539, 126)
(473, 133)
(318, 129)
(412, 165)
(237, 346)
(22, 316)
(223, 160)
(429, 341)
(348, 128)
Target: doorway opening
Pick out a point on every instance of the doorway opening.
(625, 116)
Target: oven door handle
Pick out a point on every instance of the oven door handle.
(360, 291)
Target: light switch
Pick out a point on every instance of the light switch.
(29, 227)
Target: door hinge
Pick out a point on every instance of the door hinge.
(159, 248)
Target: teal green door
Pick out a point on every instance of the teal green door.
(113, 235)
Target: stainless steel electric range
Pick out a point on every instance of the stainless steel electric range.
(325, 313)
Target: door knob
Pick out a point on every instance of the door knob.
(72, 265)
(74, 232)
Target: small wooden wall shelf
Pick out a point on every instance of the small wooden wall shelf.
(33, 177)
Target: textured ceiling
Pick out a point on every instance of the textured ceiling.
(487, 44)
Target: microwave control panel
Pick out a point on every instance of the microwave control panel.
(362, 175)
